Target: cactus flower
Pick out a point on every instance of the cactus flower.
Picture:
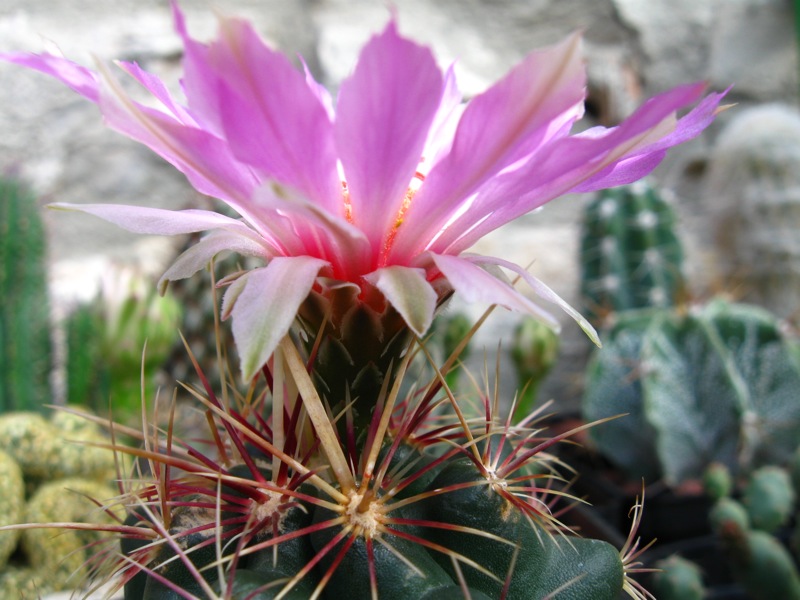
(382, 191)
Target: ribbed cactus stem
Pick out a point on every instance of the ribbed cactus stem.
(25, 345)
(630, 254)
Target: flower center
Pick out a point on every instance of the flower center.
(388, 241)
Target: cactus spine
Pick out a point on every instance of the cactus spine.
(630, 255)
(25, 346)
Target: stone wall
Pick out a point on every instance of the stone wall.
(634, 48)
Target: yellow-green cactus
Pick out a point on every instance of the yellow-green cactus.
(23, 583)
(48, 450)
(62, 553)
(12, 504)
(31, 440)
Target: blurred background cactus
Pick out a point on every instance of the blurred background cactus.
(718, 383)
(25, 342)
(754, 193)
(106, 339)
(50, 467)
(630, 254)
(534, 351)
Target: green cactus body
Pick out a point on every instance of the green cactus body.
(716, 384)
(678, 579)
(542, 561)
(403, 569)
(192, 529)
(717, 481)
(769, 498)
(12, 504)
(25, 345)
(630, 254)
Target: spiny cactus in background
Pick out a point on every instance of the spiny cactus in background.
(754, 199)
(759, 561)
(630, 254)
(48, 467)
(534, 351)
(716, 384)
(106, 338)
(25, 345)
(678, 579)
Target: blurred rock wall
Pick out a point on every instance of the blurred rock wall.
(634, 48)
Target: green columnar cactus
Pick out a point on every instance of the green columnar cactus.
(25, 346)
(753, 183)
(534, 351)
(717, 384)
(630, 254)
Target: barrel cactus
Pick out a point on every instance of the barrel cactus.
(630, 254)
(716, 383)
(419, 507)
(25, 345)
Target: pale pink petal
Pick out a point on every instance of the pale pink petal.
(199, 255)
(541, 290)
(409, 292)
(261, 315)
(633, 169)
(510, 120)
(159, 221)
(474, 284)
(383, 114)
(272, 119)
(564, 164)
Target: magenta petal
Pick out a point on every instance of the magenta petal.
(383, 114)
(262, 317)
(508, 121)
(474, 284)
(565, 164)
(80, 79)
(409, 292)
(272, 120)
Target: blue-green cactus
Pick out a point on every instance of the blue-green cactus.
(715, 384)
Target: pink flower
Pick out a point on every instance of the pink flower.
(386, 191)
